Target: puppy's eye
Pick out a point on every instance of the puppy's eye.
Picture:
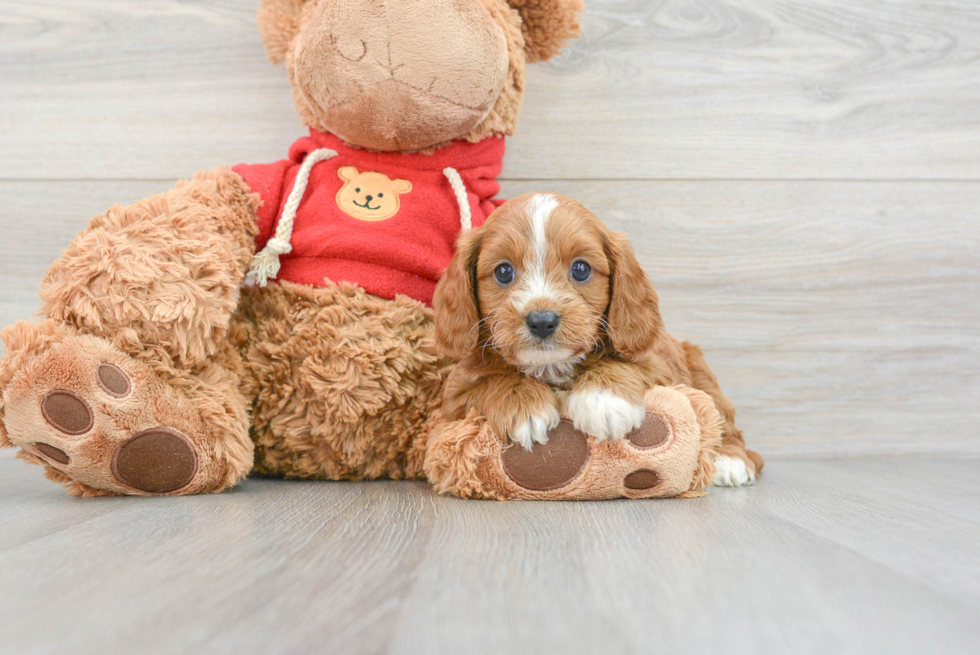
(581, 271)
(381, 195)
(357, 190)
(504, 274)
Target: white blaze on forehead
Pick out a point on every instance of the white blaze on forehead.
(534, 283)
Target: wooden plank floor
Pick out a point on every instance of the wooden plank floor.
(847, 556)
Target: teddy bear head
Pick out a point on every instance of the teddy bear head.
(407, 75)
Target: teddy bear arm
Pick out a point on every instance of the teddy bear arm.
(161, 274)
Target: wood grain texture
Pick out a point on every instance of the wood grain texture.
(840, 317)
(869, 556)
(829, 89)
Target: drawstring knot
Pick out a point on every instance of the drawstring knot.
(265, 265)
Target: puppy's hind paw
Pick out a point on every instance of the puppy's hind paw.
(732, 472)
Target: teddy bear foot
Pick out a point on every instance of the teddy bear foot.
(103, 423)
(670, 454)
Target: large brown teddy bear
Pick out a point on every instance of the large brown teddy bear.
(276, 318)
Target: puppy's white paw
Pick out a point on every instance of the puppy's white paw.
(603, 414)
(535, 429)
(731, 472)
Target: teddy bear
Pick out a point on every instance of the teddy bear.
(276, 319)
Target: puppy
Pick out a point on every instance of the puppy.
(546, 308)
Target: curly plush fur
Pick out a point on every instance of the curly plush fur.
(342, 382)
(160, 277)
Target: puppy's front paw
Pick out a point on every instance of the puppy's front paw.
(534, 427)
(603, 414)
(525, 423)
(732, 472)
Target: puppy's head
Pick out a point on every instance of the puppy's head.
(544, 283)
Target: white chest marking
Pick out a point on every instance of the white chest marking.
(554, 367)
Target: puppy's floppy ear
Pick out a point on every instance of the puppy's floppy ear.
(455, 302)
(548, 25)
(279, 23)
(634, 309)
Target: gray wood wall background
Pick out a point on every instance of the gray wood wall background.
(801, 178)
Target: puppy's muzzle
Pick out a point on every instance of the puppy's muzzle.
(542, 324)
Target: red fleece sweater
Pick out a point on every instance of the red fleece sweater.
(385, 221)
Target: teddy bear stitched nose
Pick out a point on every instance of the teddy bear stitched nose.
(369, 198)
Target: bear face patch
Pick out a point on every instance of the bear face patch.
(370, 196)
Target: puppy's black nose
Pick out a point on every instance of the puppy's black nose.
(542, 324)
(369, 198)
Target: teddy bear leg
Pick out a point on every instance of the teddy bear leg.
(160, 278)
(130, 385)
(671, 454)
(102, 422)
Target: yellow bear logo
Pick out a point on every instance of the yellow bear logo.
(370, 196)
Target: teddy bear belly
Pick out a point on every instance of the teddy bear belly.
(379, 280)
(342, 382)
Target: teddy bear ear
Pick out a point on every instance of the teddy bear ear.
(279, 22)
(548, 25)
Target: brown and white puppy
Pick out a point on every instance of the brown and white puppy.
(548, 309)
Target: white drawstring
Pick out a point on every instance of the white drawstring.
(456, 182)
(265, 264)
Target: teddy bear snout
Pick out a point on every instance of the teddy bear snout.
(430, 81)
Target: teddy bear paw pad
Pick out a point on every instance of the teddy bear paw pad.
(57, 454)
(113, 380)
(103, 419)
(642, 479)
(156, 461)
(550, 465)
(654, 431)
(67, 412)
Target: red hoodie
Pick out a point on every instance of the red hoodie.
(385, 221)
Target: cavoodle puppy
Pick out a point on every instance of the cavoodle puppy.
(551, 314)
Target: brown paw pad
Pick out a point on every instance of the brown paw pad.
(113, 381)
(654, 431)
(49, 451)
(548, 466)
(156, 461)
(642, 479)
(67, 412)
